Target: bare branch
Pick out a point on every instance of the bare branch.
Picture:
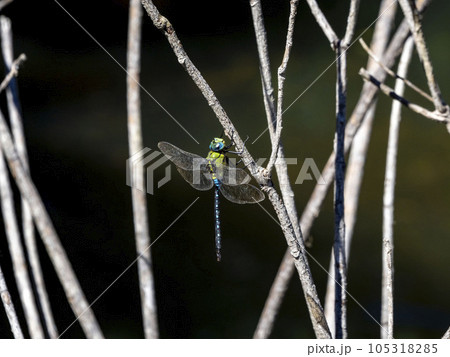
(387, 288)
(20, 265)
(51, 241)
(412, 15)
(355, 167)
(323, 23)
(340, 267)
(312, 209)
(443, 117)
(140, 215)
(263, 54)
(275, 297)
(296, 245)
(13, 236)
(12, 97)
(268, 314)
(13, 72)
(3, 3)
(392, 73)
(351, 23)
(9, 308)
(281, 78)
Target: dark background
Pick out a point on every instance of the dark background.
(73, 97)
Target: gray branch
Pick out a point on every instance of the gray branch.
(387, 287)
(323, 23)
(434, 115)
(412, 16)
(296, 245)
(357, 157)
(140, 215)
(58, 256)
(351, 23)
(12, 97)
(281, 78)
(17, 253)
(3, 3)
(376, 59)
(9, 308)
(268, 314)
(312, 209)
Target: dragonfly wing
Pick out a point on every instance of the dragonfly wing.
(242, 193)
(232, 175)
(182, 159)
(199, 179)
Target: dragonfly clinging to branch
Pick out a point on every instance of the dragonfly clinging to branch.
(214, 170)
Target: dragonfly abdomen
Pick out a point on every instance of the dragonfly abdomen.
(217, 220)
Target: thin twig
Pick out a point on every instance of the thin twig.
(281, 78)
(296, 245)
(141, 225)
(20, 265)
(264, 64)
(17, 253)
(12, 97)
(323, 23)
(13, 72)
(434, 115)
(9, 308)
(268, 314)
(55, 250)
(412, 15)
(387, 286)
(357, 157)
(3, 3)
(392, 73)
(351, 24)
(340, 268)
(312, 209)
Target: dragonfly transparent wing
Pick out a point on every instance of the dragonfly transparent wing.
(231, 175)
(193, 168)
(242, 193)
(181, 158)
(199, 179)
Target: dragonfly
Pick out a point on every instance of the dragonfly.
(214, 171)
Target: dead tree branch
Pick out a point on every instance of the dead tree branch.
(295, 244)
(357, 157)
(412, 16)
(58, 256)
(376, 59)
(434, 115)
(387, 287)
(313, 207)
(12, 97)
(268, 314)
(9, 308)
(139, 200)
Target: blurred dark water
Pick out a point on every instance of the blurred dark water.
(74, 103)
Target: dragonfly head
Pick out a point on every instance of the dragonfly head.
(217, 145)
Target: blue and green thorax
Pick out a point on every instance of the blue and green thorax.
(216, 158)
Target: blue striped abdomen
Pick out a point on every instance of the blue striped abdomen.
(217, 218)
